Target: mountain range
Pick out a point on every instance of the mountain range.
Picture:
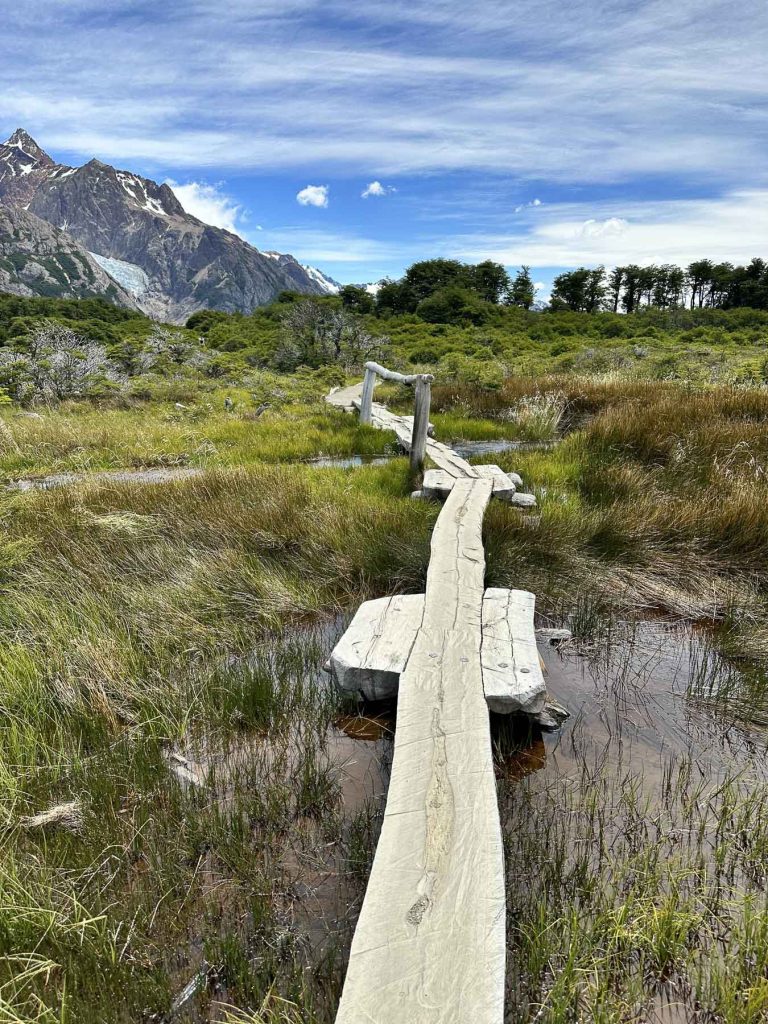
(97, 230)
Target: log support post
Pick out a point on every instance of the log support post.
(420, 423)
(366, 399)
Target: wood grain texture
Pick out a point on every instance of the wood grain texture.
(512, 676)
(430, 942)
(423, 390)
(366, 396)
(374, 651)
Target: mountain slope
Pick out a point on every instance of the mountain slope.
(177, 263)
(38, 259)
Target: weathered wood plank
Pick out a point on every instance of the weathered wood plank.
(366, 396)
(503, 486)
(437, 484)
(428, 947)
(345, 398)
(447, 459)
(512, 676)
(420, 425)
(374, 651)
(393, 375)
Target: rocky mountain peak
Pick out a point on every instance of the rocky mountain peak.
(137, 230)
(23, 141)
(24, 167)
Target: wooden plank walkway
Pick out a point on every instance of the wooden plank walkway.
(430, 942)
(429, 947)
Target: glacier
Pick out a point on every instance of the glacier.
(129, 275)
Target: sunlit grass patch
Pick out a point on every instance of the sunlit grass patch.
(79, 437)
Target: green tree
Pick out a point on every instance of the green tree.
(315, 334)
(453, 305)
(521, 291)
(595, 290)
(391, 298)
(615, 284)
(581, 290)
(429, 276)
(698, 278)
(356, 299)
(490, 280)
(633, 275)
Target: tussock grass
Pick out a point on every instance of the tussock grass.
(159, 656)
(627, 896)
(113, 588)
(78, 437)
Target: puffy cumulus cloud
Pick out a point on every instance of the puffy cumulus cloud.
(313, 195)
(375, 188)
(208, 203)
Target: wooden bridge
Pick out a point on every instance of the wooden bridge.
(429, 947)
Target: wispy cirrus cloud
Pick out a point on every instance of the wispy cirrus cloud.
(569, 92)
(642, 128)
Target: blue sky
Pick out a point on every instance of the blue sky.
(550, 133)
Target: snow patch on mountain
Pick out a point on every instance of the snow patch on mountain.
(131, 277)
(329, 286)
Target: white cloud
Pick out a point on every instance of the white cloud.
(611, 226)
(208, 203)
(568, 92)
(313, 195)
(732, 227)
(375, 188)
(522, 206)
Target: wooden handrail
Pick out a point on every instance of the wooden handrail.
(399, 378)
(423, 393)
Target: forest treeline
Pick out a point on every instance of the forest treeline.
(449, 291)
(702, 284)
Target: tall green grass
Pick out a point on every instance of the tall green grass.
(171, 781)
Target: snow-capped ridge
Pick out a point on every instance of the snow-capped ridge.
(170, 261)
(325, 282)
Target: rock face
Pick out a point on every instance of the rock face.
(38, 259)
(120, 216)
(24, 167)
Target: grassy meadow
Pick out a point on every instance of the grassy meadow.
(188, 810)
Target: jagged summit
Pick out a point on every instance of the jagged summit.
(24, 167)
(21, 139)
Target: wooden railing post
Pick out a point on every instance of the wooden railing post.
(366, 399)
(420, 423)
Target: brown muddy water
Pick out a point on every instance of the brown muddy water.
(651, 691)
(646, 695)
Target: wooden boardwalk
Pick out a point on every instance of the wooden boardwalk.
(429, 944)
(429, 947)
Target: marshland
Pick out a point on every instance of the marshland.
(188, 809)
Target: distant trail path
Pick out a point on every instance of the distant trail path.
(344, 398)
